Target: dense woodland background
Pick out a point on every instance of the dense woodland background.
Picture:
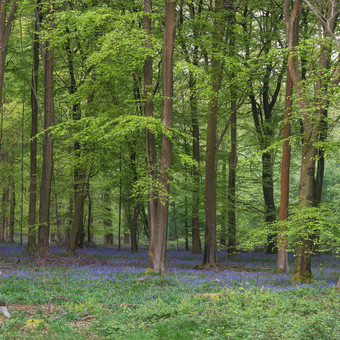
(171, 120)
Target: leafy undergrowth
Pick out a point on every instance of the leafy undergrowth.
(104, 293)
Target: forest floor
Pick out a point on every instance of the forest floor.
(105, 293)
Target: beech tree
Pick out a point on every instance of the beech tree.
(47, 167)
(158, 224)
(311, 118)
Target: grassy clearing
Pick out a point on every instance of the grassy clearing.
(102, 293)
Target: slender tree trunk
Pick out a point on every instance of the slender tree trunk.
(4, 219)
(12, 211)
(186, 227)
(120, 200)
(232, 181)
(233, 138)
(282, 260)
(89, 214)
(157, 250)
(148, 111)
(338, 285)
(224, 204)
(196, 241)
(31, 241)
(210, 246)
(5, 29)
(47, 166)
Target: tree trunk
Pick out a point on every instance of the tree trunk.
(210, 246)
(89, 217)
(5, 29)
(311, 124)
(157, 250)
(31, 241)
(4, 219)
(11, 212)
(148, 111)
(338, 285)
(233, 138)
(282, 259)
(196, 241)
(78, 213)
(47, 166)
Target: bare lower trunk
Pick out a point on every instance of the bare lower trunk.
(210, 246)
(31, 241)
(302, 263)
(133, 230)
(47, 166)
(4, 219)
(11, 213)
(338, 285)
(282, 259)
(78, 213)
(157, 250)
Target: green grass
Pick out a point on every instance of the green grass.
(117, 302)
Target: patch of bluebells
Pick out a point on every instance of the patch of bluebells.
(114, 269)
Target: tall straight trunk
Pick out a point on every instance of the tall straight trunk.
(77, 213)
(338, 285)
(157, 249)
(195, 225)
(47, 166)
(232, 180)
(186, 226)
(5, 29)
(89, 214)
(210, 246)
(79, 171)
(31, 241)
(136, 209)
(148, 112)
(11, 212)
(233, 139)
(282, 259)
(120, 200)
(311, 118)
(223, 222)
(4, 218)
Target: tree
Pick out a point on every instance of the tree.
(31, 240)
(282, 259)
(311, 118)
(47, 166)
(5, 29)
(157, 248)
(210, 247)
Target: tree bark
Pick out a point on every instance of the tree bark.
(148, 112)
(311, 119)
(11, 210)
(5, 29)
(4, 218)
(210, 246)
(282, 259)
(47, 166)
(157, 250)
(233, 138)
(31, 241)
